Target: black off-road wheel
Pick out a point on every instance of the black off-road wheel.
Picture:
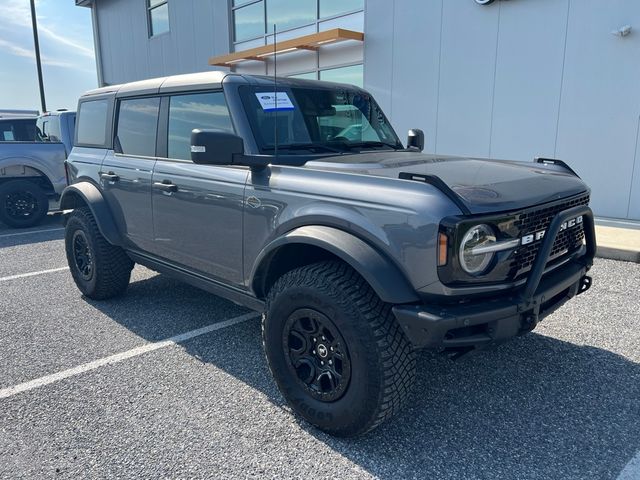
(22, 203)
(335, 349)
(99, 269)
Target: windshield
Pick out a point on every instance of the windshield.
(316, 120)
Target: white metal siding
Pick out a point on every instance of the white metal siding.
(514, 80)
(199, 29)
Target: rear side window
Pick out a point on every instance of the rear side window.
(137, 126)
(92, 123)
(200, 110)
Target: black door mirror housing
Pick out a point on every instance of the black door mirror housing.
(415, 139)
(215, 147)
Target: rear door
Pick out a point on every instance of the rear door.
(197, 209)
(126, 171)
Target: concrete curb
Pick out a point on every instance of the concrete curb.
(613, 253)
(618, 243)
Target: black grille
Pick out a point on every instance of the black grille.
(567, 241)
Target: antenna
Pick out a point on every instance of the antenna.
(275, 94)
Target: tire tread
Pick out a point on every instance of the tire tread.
(112, 265)
(395, 355)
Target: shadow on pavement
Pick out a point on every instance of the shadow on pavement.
(49, 229)
(536, 407)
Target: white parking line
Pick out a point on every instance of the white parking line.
(118, 357)
(30, 232)
(32, 274)
(632, 470)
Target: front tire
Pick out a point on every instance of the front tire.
(335, 349)
(22, 204)
(99, 269)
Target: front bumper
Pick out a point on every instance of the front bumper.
(481, 323)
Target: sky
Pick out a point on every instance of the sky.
(66, 47)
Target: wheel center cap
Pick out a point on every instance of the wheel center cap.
(322, 351)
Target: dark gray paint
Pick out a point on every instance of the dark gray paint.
(208, 227)
(200, 225)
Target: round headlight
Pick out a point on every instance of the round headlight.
(472, 262)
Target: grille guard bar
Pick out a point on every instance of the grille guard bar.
(544, 252)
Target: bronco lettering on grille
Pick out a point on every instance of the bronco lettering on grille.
(534, 237)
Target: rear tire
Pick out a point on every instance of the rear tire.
(22, 204)
(99, 269)
(335, 349)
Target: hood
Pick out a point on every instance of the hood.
(481, 185)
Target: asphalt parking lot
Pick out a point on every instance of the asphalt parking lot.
(562, 402)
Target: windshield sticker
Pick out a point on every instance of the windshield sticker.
(270, 101)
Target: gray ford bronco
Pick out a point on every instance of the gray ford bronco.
(297, 199)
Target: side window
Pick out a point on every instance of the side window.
(92, 123)
(137, 126)
(200, 110)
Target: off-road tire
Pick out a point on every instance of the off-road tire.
(32, 193)
(111, 267)
(382, 359)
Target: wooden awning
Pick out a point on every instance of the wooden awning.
(306, 42)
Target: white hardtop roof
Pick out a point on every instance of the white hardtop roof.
(203, 80)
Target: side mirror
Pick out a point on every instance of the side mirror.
(415, 139)
(215, 147)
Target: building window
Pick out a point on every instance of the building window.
(332, 8)
(248, 21)
(305, 76)
(286, 14)
(158, 17)
(253, 19)
(352, 74)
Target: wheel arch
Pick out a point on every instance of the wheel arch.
(86, 194)
(29, 173)
(309, 244)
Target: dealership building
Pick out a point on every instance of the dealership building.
(508, 79)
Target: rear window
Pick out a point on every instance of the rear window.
(92, 123)
(18, 130)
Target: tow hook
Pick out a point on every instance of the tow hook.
(529, 322)
(585, 284)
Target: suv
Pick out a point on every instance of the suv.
(297, 199)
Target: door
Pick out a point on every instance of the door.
(126, 173)
(197, 209)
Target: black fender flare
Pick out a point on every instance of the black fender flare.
(76, 194)
(381, 274)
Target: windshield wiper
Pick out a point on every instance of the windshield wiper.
(305, 146)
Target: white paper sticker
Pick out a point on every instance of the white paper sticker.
(274, 101)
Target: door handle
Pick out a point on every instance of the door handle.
(166, 186)
(109, 177)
